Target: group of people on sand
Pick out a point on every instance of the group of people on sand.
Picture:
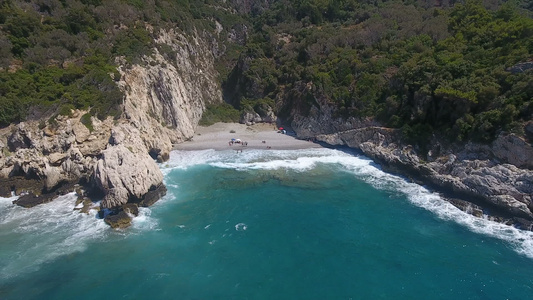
(244, 144)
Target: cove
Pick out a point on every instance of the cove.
(315, 224)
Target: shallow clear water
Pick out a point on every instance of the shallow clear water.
(307, 224)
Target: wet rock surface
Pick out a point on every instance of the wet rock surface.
(119, 221)
(475, 173)
(31, 200)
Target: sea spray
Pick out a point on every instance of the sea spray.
(31, 237)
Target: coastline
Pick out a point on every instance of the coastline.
(218, 136)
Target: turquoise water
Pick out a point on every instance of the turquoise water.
(308, 224)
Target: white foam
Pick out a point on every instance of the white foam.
(362, 168)
(144, 221)
(241, 227)
(185, 159)
(522, 241)
(44, 232)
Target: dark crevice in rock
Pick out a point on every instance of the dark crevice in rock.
(154, 153)
(20, 184)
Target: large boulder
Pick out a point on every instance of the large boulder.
(125, 171)
(31, 200)
(124, 175)
(20, 138)
(514, 150)
(249, 116)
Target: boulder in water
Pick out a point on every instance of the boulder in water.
(31, 200)
(131, 208)
(153, 195)
(118, 221)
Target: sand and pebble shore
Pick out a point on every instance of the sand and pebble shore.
(218, 136)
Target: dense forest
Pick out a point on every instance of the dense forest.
(57, 55)
(462, 69)
(410, 65)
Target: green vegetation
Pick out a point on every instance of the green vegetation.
(408, 64)
(86, 120)
(58, 55)
(219, 113)
(420, 65)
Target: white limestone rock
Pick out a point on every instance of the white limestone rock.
(123, 175)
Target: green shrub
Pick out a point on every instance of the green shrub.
(219, 113)
(66, 109)
(86, 120)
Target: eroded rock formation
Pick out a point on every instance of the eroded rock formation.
(490, 180)
(497, 177)
(164, 100)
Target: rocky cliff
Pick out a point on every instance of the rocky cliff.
(164, 100)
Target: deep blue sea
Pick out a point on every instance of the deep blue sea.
(263, 224)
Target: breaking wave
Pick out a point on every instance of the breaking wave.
(31, 237)
(362, 168)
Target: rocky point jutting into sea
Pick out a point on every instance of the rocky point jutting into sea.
(494, 179)
(115, 160)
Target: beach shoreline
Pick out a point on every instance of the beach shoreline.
(258, 136)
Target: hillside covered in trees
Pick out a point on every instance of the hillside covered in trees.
(424, 67)
(458, 68)
(58, 55)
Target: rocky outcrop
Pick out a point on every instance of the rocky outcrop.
(125, 172)
(521, 67)
(119, 221)
(497, 178)
(164, 100)
(319, 117)
(262, 113)
(513, 150)
(53, 155)
(121, 217)
(500, 188)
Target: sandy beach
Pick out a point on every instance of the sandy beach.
(218, 136)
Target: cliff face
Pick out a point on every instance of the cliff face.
(164, 100)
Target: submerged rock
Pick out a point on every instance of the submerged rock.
(118, 221)
(153, 195)
(131, 209)
(31, 200)
(19, 185)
